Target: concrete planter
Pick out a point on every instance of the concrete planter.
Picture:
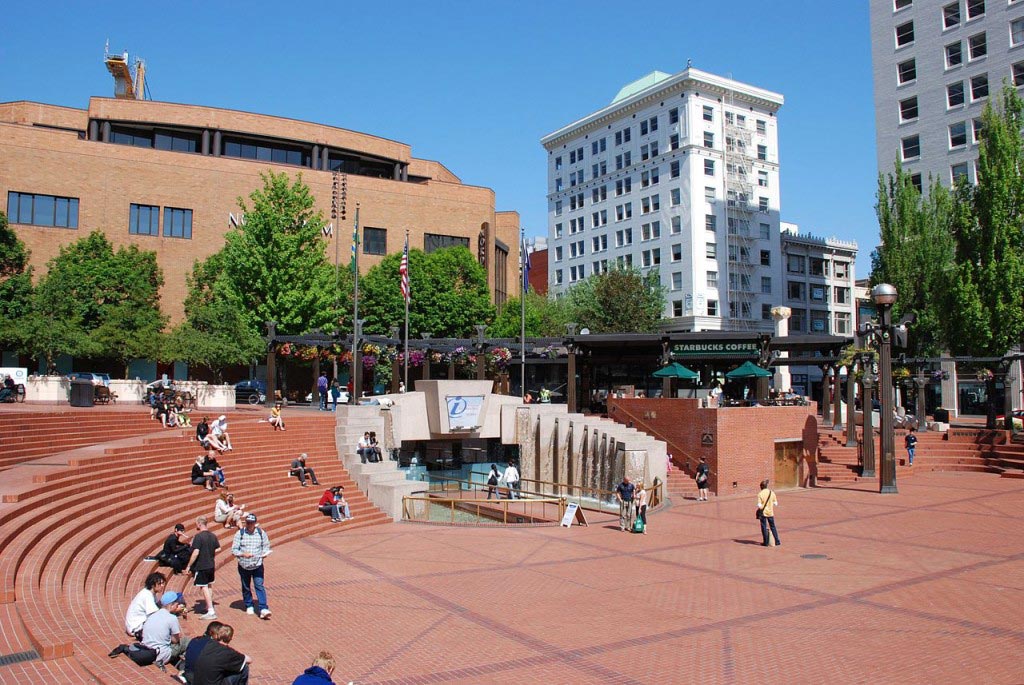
(47, 389)
(128, 392)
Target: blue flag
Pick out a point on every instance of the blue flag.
(526, 269)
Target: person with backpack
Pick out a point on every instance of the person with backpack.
(162, 631)
(250, 547)
(492, 482)
(321, 389)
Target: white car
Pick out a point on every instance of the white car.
(342, 398)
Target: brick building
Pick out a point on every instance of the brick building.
(166, 177)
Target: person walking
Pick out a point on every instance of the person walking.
(624, 492)
(511, 477)
(201, 564)
(335, 394)
(640, 498)
(766, 503)
(321, 388)
(492, 482)
(250, 547)
(702, 477)
(911, 443)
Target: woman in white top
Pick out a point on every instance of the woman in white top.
(227, 512)
(640, 500)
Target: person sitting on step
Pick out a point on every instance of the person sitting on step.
(300, 470)
(276, 419)
(201, 477)
(210, 463)
(333, 503)
(227, 512)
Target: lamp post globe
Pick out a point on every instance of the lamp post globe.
(884, 295)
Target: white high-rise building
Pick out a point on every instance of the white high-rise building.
(935, 63)
(680, 175)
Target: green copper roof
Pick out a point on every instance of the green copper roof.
(641, 84)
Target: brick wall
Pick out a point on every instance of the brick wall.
(738, 442)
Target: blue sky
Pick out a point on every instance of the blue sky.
(475, 85)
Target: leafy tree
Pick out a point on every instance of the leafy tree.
(215, 333)
(449, 294)
(620, 300)
(44, 334)
(110, 298)
(275, 263)
(988, 314)
(15, 282)
(544, 317)
(916, 254)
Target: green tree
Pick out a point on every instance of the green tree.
(15, 282)
(545, 317)
(275, 263)
(620, 300)
(112, 298)
(987, 318)
(916, 254)
(215, 333)
(449, 294)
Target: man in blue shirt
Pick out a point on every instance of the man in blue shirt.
(624, 492)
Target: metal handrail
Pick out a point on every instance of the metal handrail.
(467, 505)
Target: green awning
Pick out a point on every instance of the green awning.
(748, 370)
(676, 370)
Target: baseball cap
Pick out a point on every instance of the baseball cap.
(251, 518)
(222, 417)
(179, 526)
(303, 456)
(169, 598)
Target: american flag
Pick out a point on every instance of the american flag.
(403, 270)
(526, 268)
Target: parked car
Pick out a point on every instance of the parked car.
(105, 377)
(342, 398)
(250, 391)
(94, 378)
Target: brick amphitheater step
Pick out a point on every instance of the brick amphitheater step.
(123, 502)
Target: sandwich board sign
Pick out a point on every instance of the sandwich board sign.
(573, 511)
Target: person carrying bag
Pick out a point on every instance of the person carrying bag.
(766, 503)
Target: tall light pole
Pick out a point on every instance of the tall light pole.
(570, 387)
(867, 456)
(884, 296)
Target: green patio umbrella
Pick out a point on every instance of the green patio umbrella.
(676, 370)
(748, 370)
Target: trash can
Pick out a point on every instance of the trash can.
(81, 393)
(941, 415)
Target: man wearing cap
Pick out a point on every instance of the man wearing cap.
(162, 631)
(220, 432)
(144, 604)
(300, 470)
(250, 546)
(201, 564)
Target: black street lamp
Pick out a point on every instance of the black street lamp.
(884, 296)
(271, 362)
(867, 455)
(481, 346)
(851, 397)
(570, 344)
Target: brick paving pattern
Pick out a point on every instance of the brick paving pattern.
(913, 588)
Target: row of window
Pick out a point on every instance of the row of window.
(816, 266)
(145, 220)
(42, 210)
(951, 18)
(814, 292)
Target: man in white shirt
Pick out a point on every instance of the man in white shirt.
(365, 448)
(511, 478)
(144, 604)
(219, 429)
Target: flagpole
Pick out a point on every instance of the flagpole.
(405, 357)
(354, 366)
(522, 311)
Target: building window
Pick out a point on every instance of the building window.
(819, 321)
(624, 211)
(375, 240)
(649, 258)
(651, 231)
(796, 325)
(711, 222)
(712, 307)
(599, 194)
(908, 109)
(677, 225)
(979, 87)
(265, 152)
(673, 115)
(558, 253)
(623, 186)
(624, 237)
(599, 243)
(675, 197)
(817, 266)
(911, 147)
(673, 169)
(709, 193)
(842, 270)
(761, 126)
(842, 323)
(711, 250)
(905, 34)
(709, 139)
(766, 285)
(1018, 74)
(958, 171)
(558, 163)
(558, 230)
(677, 252)
(818, 293)
(762, 179)
(795, 264)
(766, 257)
(709, 113)
(975, 8)
(709, 167)
(915, 180)
(177, 223)
(1017, 31)
(958, 134)
(558, 277)
(954, 55)
(762, 153)
(673, 141)
(902, 4)
(712, 279)
(906, 71)
(795, 290)
(622, 136)
(558, 208)
(42, 210)
(765, 231)
(762, 204)
(649, 178)
(842, 294)
(435, 241)
(977, 45)
(951, 15)
(144, 220)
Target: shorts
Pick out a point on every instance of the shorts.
(203, 578)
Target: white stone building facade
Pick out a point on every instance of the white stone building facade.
(678, 175)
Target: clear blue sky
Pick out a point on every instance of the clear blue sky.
(476, 84)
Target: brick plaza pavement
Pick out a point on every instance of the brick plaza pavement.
(919, 587)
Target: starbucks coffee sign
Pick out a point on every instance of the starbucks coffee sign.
(716, 349)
